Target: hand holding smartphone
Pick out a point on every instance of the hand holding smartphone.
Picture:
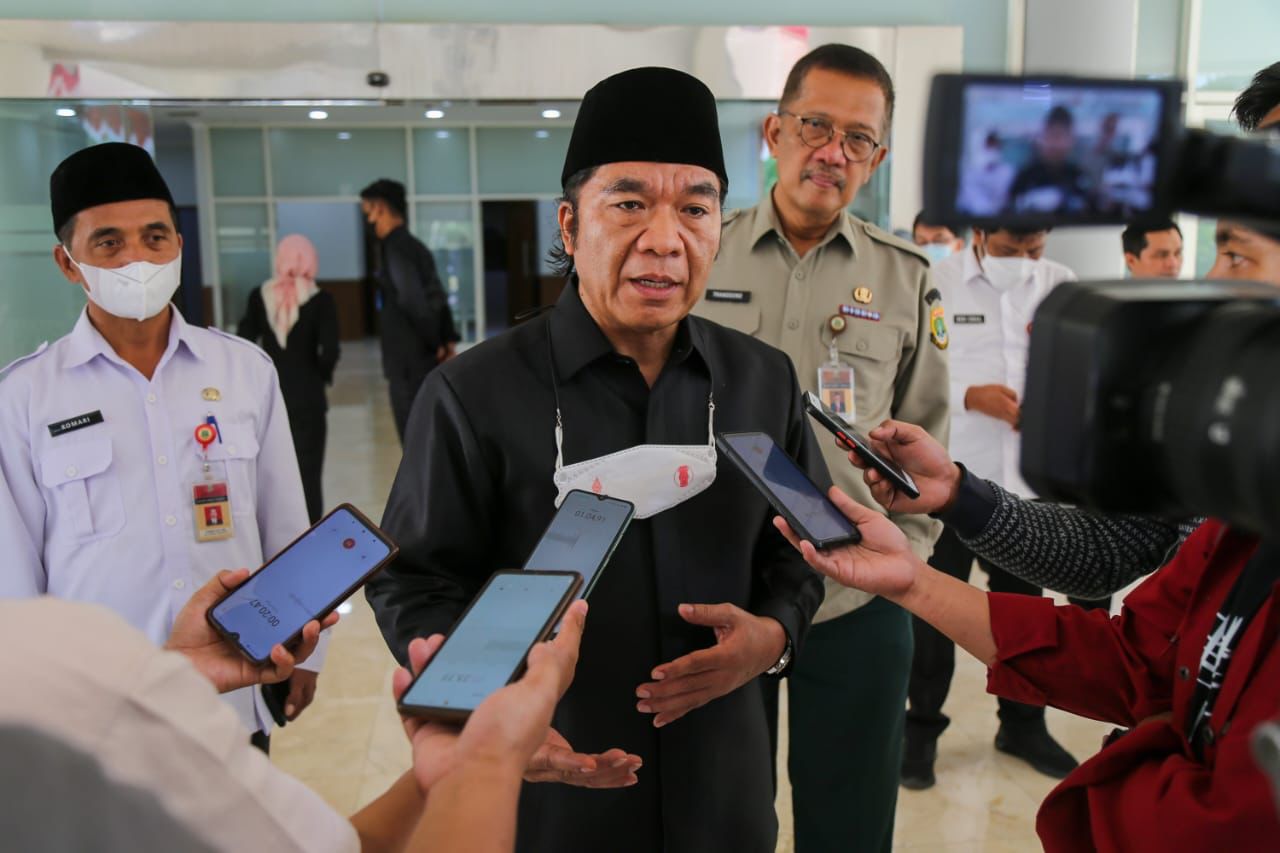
(788, 489)
(857, 442)
(308, 579)
(582, 536)
(487, 646)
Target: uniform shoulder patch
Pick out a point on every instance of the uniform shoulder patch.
(38, 351)
(881, 236)
(230, 336)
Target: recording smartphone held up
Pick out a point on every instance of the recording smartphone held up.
(582, 536)
(857, 442)
(311, 576)
(487, 646)
(788, 489)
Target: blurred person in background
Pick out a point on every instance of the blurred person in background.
(416, 322)
(297, 324)
(1153, 249)
(939, 242)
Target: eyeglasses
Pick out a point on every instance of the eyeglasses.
(817, 132)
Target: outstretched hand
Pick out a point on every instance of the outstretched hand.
(221, 662)
(882, 563)
(921, 456)
(513, 726)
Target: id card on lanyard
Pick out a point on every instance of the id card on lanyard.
(210, 498)
(835, 380)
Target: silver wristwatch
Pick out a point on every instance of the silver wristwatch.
(783, 662)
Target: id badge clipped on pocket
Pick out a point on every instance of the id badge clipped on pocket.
(212, 506)
(210, 499)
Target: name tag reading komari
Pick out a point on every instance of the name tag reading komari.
(212, 506)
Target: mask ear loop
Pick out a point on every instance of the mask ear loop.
(555, 390)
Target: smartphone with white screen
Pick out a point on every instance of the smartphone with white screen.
(582, 536)
(311, 576)
(788, 489)
(487, 647)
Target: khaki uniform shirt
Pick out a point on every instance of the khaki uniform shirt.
(760, 286)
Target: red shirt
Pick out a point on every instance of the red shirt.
(1147, 790)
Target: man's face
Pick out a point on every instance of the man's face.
(821, 182)
(1002, 244)
(117, 234)
(1245, 254)
(924, 235)
(647, 234)
(1161, 259)
(369, 209)
(1057, 142)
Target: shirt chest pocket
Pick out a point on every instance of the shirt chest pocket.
(84, 489)
(235, 458)
(739, 316)
(873, 352)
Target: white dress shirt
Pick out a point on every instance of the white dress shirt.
(80, 675)
(103, 513)
(990, 333)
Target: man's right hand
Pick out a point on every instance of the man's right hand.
(921, 456)
(996, 401)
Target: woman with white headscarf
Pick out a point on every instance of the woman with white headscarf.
(297, 324)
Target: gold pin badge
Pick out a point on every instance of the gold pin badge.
(213, 395)
(837, 324)
(862, 295)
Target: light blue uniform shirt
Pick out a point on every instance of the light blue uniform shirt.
(103, 513)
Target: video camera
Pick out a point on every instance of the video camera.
(1141, 396)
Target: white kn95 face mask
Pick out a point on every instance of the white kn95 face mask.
(135, 291)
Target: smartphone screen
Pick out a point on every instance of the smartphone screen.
(300, 583)
(488, 645)
(791, 487)
(582, 536)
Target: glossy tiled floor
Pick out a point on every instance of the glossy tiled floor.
(349, 745)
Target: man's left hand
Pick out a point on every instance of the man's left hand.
(746, 645)
(444, 352)
(302, 690)
(218, 660)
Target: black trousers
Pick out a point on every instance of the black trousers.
(309, 435)
(403, 389)
(934, 661)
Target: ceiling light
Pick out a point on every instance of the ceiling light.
(344, 135)
(66, 112)
(551, 114)
(442, 134)
(434, 114)
(317, 114)
(542, 134)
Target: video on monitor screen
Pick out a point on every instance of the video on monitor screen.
(1063, 150)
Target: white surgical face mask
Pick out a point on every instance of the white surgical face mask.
(1008, 273)
(135, 291)
(654, 477)
(938, 251)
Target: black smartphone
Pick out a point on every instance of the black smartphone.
(858, 442)
(311, 576)
(788, 489)
(582, 536)
(487, 646)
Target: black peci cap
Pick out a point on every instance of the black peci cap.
(103, 174)
(647, 115)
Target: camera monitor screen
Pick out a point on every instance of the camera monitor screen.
(1037, 152)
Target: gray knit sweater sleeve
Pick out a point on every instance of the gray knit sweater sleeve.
(1071, 550)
